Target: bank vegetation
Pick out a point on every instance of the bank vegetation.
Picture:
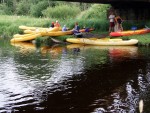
(40, 13)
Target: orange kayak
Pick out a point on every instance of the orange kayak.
(130, 32)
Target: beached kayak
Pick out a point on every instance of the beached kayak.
(29, 31)
(25, 37)
(130, 32)
(103, 41)
(36, 28)
(57, 33)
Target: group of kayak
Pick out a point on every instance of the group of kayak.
(32, 33)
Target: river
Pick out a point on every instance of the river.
(73, 78)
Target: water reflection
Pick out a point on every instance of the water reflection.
(73, 78)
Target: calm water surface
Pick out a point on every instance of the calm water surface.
(74, 79)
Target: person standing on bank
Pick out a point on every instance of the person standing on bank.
(111, 22)
(118, 21)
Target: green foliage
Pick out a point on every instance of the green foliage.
(36, 10)
(38, 42)
(98, 25)
(95, 11)
(61, 12)
(128, 24)
(23, 8)
(4, 9)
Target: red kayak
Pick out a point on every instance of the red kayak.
(130, 32)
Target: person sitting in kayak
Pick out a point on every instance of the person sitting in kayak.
(64, 28)
(76, 31)
(52, 25)
(118, 21)
(57, 24)
(76, 28)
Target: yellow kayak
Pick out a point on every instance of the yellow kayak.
(42, 30)
(103, 41)
(50, 33)
(57, 33)
(22, 35)
(25, 38)
(35, 28)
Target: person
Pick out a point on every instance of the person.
(111, 22)
(64, 28)
(56, 24)
(118, 21)
(52, 25)
(76, 28)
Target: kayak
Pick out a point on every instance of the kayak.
(57, 33)
(130, 32)
(103, 41)
(54, 32)
(50, 33)
(29, 31)
(25, 38)
(86, 30)
(21, 35)
(35, 28)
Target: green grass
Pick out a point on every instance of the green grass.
(144, 39)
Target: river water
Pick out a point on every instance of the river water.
(73, 78)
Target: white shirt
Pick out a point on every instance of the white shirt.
(111, 18)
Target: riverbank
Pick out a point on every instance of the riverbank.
(10, 27)
(144, 39)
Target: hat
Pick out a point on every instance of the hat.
(56, 20)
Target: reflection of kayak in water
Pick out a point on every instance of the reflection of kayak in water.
(53, 49)
(25, 47)
(114, 51)
(125, 51)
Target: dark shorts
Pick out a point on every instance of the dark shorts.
(112, 24)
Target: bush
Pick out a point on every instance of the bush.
(36, 10)
(98, 11)
(4, 9)
(22, 8)
(61, 12)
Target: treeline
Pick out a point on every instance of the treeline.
(40, 8)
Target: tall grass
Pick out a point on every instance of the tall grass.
(62, 12)
(10, 24)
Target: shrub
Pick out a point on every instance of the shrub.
(98, 11)
(22, 8)
(36, 10)
(61, 12)
(4, 9)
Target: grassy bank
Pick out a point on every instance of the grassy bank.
(10, 26)
(144, 39)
